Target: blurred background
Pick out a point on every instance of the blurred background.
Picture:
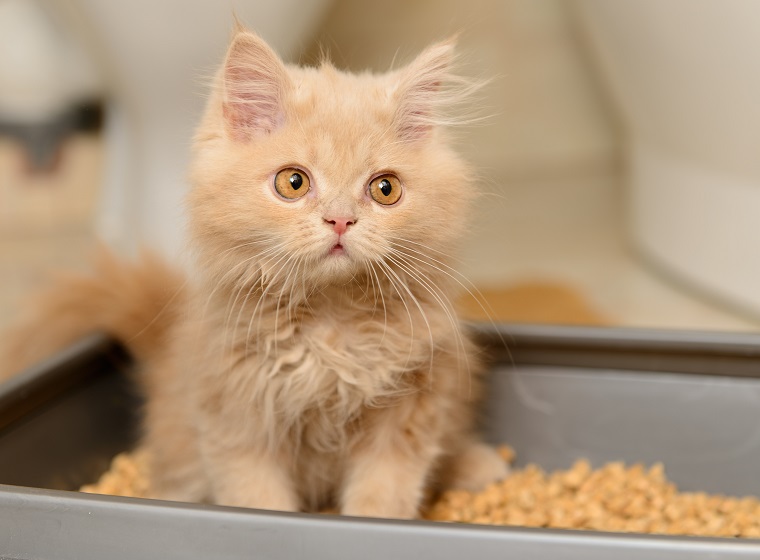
(620, 165)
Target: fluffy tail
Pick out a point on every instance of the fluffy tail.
(136, 302)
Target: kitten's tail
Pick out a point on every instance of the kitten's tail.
(136, 302)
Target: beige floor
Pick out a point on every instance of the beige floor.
(547, 251)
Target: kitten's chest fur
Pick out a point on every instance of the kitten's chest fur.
(309, 373)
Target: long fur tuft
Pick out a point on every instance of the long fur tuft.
(135, 302)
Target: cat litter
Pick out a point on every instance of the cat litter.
(614, 497)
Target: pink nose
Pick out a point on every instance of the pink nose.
(340, 225)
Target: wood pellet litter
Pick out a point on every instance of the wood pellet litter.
(614, 497)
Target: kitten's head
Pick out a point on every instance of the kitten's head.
(316, 176)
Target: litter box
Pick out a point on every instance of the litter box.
(690, 400)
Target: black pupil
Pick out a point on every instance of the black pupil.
(385, 187)
(296, 181)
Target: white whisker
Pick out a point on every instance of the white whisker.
(278, 254)
(431, 287)
(382, 299)
(419, 307)
(478, 296)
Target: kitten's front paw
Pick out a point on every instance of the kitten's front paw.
(477, 467)
(380, 506)
(259, 498)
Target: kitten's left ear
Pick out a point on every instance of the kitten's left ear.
(419, 91)
(255, 83)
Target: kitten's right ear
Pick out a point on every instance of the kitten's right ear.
(254, 82)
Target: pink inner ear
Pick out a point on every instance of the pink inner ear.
(254, 83)
(416, 116)
(420, 92)
(418, 122)
(417, 126)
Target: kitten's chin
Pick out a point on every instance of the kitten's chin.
(337, 267)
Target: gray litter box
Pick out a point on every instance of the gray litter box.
(690, 400)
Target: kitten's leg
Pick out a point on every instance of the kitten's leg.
(388, 469)
(171, 441)
(251, 476)
(177, 480)
(473, 468)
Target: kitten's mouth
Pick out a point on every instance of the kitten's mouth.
(338, 250)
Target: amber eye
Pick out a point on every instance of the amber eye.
(291, 183)
(385, 189)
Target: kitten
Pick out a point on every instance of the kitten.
(314, 357)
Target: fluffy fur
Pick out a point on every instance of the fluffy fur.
(285, 375)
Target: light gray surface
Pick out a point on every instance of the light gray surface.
(706, 430)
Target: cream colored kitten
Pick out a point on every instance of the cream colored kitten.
(314, 358)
